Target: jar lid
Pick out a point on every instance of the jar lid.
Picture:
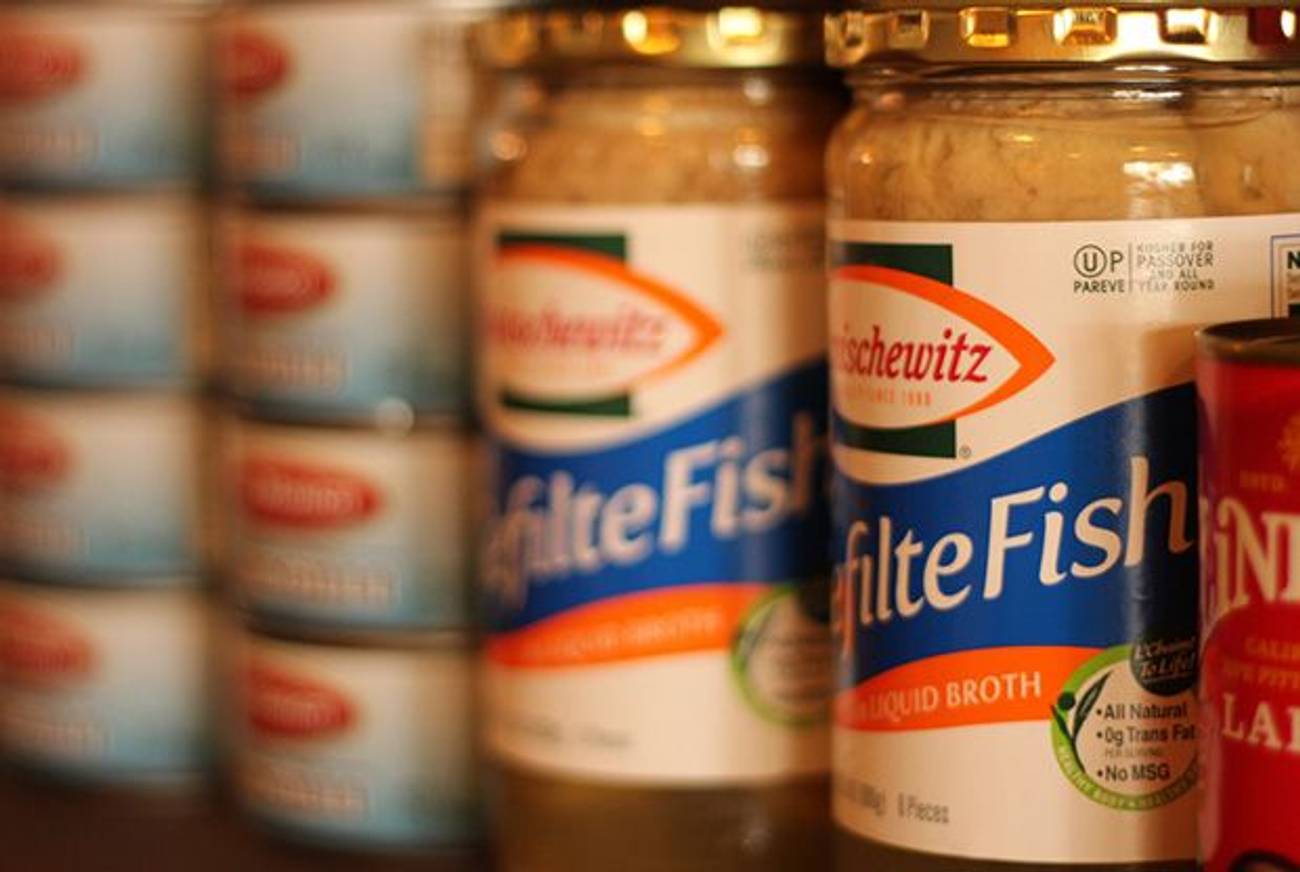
(1047, 33)
(685, 36)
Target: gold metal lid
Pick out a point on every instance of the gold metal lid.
(733, 37)
(1043, 33)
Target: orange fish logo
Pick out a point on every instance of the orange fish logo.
(272, 280)
(30, 262)
(37, 648)
(577, 330)
(32, 453)
(253, 63)
(290, 493)
(282, 704)
(36, 65)
(910, 356)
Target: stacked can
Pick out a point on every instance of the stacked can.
(103, 620)
(344, 136)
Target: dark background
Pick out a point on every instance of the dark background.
(45, 828)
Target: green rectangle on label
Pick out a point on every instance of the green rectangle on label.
(931, 261)
(609, 244)
(613, 406)
(931, 440)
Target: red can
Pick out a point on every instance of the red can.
(1248, 389)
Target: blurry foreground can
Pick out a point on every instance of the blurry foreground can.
(101, 292)
(1248, 386)
(100, 95)
(105, 687)
(363, 746)
(350, 528)
(345, 312)
(98, 487)
(337, 99)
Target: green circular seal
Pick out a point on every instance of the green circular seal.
(781, 659)
(1121, 742)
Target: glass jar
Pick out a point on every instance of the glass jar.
(671, 136)
(651, 265)
(1031, 211)
(1056, 146)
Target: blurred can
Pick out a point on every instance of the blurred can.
(340, 744)
(101, 291)
(1248, 388)
(99, 488)
(347, 99)
(106, 687)
(343, 312)
(101, 95)
(350, 528)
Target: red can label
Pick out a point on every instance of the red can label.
(1250, 615)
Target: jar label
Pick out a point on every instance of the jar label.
(1250, 615)
(653, 382)
(1014, 527)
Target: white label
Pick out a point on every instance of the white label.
(104, 685)
(101, 95)
(355, 744)
(653, 381)
(95, 487)
(1015, 592)
(347, 98)
(349, 528)
(102, 293)
(335, 315)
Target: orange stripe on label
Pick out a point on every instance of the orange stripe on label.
(1032, 356)
(650, 624)
(988, 686)
(705, 328)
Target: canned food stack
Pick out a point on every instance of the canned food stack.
(348, 450)
(103, 618)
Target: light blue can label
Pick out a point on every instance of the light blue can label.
(340, 314)
(345, 99)
(104, 686)
(98, 487)
(100, 96)
(351, 528)
(100, 293)
(349, 745)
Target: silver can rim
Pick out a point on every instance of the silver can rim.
(1261, 340)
